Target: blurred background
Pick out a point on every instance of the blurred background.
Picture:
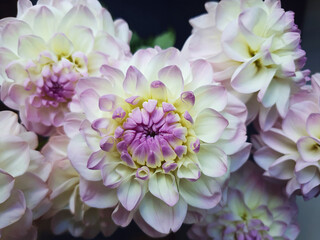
(151, 18)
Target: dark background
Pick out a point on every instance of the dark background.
(149, 18)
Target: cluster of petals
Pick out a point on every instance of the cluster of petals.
(73, 206)
(254, 209)
(290, 150)
(47, 48)
(161, 134)
(254, 49)
(23, 172)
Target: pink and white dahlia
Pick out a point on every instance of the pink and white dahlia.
(255, 209)
(254, 49)
(23, 173)
(47, 48)
(73, 204)
(291, 152)
(159, 134)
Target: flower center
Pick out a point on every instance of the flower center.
(55, 85)
(151, 135)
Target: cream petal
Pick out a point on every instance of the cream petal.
(249, 78)
(213, 161)
(89, 101)
(205, 193)
(145, 227)
(172, 78)
(23, 6)
(78, 15)
(12, 209)
(33, 188)
(11, 33)
(309, 149)
(283, 167)
(30, 46)
(82, 38)
(164, 187)
(121, 216)
(61, 45)
(278, 141)
(204, 122)
(160, 216)
(44, 24)
(96, 195)
(265, 157)
(313, 123)
(79, 153)
(135, 83)
(294, 125)
(208, 96)
(130, 193)
(202, 74)
(15, 156)
(6, 185)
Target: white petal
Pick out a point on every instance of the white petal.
(129, 193)
(33, 188)
(209, 125)
(205, 193)
(213, 161)
(6, 186)
(12, 209)
(164, 187)
(172, 77)
(160, 216)
(15, 155)
(30, 46)
(210, 96)
(79, 153)
(96, 195)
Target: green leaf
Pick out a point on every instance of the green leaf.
(166, 39)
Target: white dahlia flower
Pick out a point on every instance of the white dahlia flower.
(73, 204)
(291, 151)
(255, 209)
(47, 48)
(254, 49)
(160, 134)
(23, 172)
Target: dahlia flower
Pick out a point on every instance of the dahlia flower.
(254, 49)
(255, 209)
(47, 48)
(159, 134)
(23, 172)
(73, 205)
(291, 151)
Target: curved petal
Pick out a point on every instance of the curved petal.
(205, 193)
(129, 193)
(309, 149)
(96, 195)
(6, 185)
(278, 141)
(79, 153)
(204, 123)
(172, 78)
(12, 209)
(164, 187)
(162, 217)
(121, 216)
(213, 161)
(210, 96)
(313, 123)
(15, 155)
(33, 188)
